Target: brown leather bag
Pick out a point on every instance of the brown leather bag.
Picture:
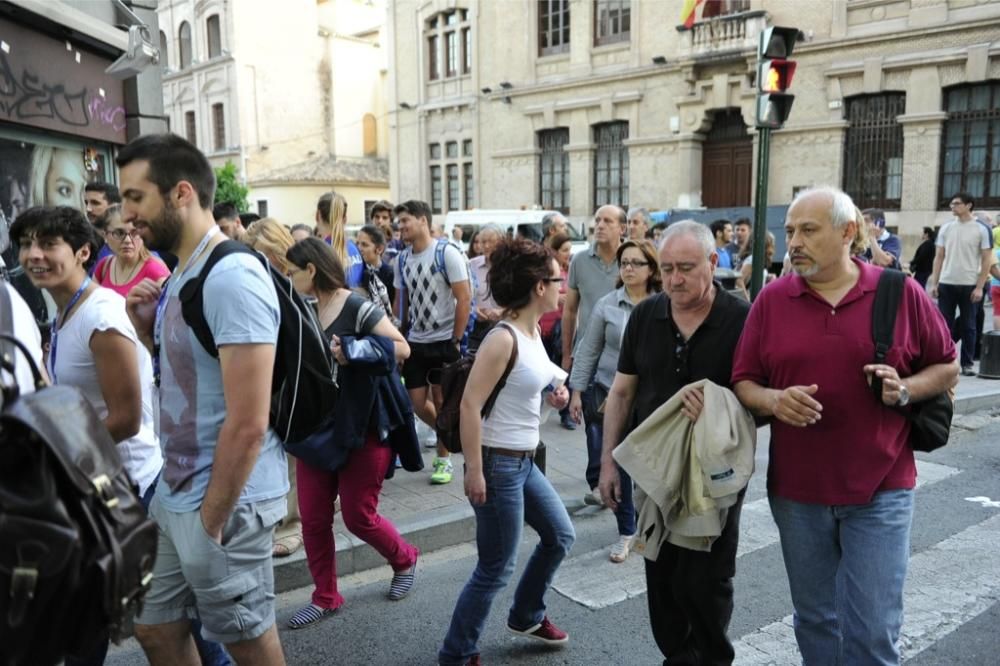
(76, 547)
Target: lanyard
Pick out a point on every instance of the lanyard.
(56, 326)
(161, 303)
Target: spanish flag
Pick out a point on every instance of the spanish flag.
(687, 14)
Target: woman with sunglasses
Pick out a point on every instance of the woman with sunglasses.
(130, 262)
(596, 359)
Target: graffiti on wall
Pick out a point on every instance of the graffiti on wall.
(49, 84)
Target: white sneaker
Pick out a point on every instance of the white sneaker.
(593, 498)
(620, 551)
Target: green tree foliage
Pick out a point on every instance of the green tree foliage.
(229, 189)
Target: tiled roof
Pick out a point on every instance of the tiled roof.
(330, 169)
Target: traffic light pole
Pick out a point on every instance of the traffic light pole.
(760, 212)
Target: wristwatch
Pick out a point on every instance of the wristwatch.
(904, 396)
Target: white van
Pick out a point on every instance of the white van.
(472, 221)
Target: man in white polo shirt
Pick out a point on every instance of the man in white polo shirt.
(961, 268)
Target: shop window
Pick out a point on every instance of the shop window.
(184, 44)
(970, 154)
(873, 150)
(553, 27)
(214, 30)
(612, 21)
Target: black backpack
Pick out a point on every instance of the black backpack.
(76, 547)
(303, 390)
(930, 420)
(454, 377)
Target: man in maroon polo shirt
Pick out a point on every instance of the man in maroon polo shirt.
(841, 473)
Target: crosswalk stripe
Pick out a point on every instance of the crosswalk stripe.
(592, 580)
(946, 586)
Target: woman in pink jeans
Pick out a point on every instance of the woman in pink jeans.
(316, 271)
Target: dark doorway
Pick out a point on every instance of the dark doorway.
(727, 162)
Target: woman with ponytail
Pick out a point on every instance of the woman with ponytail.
(331, 226)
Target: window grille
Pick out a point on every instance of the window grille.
(611, 165)
(553, 170)
(970, 151)
(873, 150)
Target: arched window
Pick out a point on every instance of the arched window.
(184, 37)
(164, 53)
(214, 30)
(370, 142)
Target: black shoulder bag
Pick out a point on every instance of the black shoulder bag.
(930, 420)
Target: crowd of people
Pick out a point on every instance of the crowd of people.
(634, 330)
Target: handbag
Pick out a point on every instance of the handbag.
(930, 419)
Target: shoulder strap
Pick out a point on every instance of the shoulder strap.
(401, 263)
(192, 298)
(8, 354)
(887, 297)
(439, 263)
(495, 393)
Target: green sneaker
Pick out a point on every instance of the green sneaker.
(442, 471)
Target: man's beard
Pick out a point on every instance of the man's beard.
(165, 231)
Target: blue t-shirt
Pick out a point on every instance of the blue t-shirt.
(725, 259)
(241, 307)
(355, 268)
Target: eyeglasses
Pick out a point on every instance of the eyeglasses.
(633, 263)
(120, 234)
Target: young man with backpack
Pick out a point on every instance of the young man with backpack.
(435, 303)
(224, 478)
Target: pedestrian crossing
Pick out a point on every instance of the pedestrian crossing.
(947, 584)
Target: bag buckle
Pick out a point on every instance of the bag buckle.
(102, 484)
(22, 592)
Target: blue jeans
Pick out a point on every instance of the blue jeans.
(516, 492)
(846, 566)
(591, 400)
(951, 296)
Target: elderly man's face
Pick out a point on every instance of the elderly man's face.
(607, 224)
(814, 244)
(686, 271)
(637, 227)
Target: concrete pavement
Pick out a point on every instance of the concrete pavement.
(434, 517)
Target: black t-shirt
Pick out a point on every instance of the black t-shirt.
(653, 349)
(359, 316)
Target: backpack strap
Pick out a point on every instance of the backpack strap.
(440, 265)
(192, 293)
(495, 393)
(887, 297)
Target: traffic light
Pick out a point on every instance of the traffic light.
(774, 75)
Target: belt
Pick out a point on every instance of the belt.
(510, 453)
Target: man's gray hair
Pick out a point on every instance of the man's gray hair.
(842, 208)
(691, 228)
(632, 212)
(491, 228)
(549, 219)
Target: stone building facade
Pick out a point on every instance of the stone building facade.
(291, 94)
(571, 104)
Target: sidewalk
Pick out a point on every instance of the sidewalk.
(435, 517)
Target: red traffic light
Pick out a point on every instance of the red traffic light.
(775, 76)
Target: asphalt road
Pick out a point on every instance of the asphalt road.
(952, 596)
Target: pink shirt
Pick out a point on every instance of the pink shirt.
(794, 337)
(154, 269)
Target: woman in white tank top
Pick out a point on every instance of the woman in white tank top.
(501, 480)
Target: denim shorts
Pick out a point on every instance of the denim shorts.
(229, 587)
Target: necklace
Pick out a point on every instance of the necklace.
(131, 274)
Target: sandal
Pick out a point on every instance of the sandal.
(286, 545)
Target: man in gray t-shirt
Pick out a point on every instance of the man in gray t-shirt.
(592, 274)
(961, 268)
(224, 478)
(432, 278)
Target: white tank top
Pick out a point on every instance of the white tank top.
(513, 423)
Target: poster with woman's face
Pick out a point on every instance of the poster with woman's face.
(40, 175)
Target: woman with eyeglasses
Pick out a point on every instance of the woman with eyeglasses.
(596, 359)
(130, 262)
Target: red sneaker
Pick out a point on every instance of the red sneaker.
(545, 632)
